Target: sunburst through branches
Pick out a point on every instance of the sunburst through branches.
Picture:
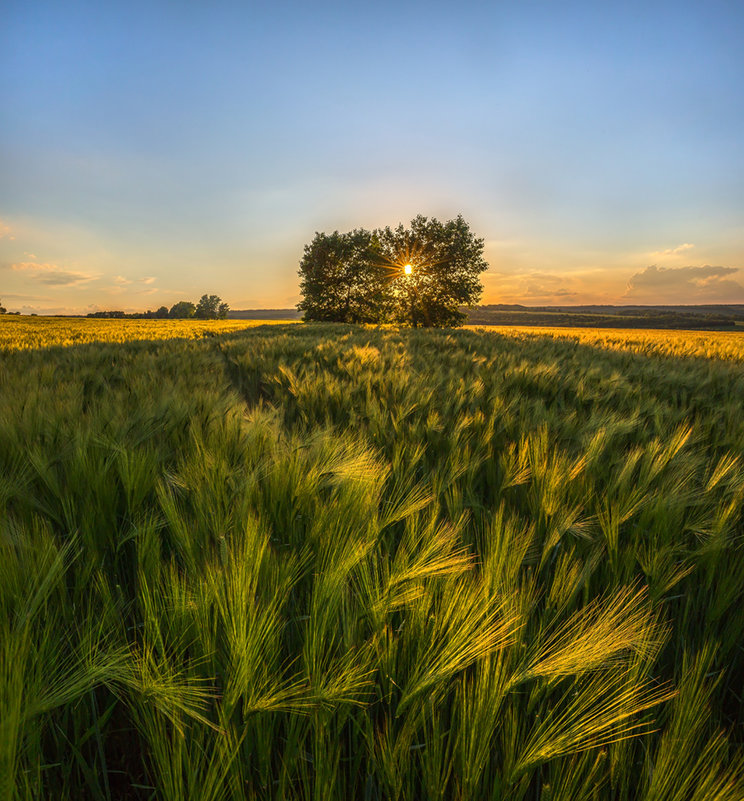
(423, 275)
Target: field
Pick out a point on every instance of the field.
(23, 333)
(333, 562)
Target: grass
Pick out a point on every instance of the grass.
(23, 333)
(320, 562)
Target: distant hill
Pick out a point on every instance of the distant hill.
(719, 317)
(263, 314)
(704, 317)
(736, 309)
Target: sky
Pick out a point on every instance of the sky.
(156, 151)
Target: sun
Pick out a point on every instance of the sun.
(408, 269)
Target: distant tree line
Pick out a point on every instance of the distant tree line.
(420, 276)
(209, 307)
(605, 317)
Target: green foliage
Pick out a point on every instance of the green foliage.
(344, 278)
(331, 562)
(447, 262)
(182, 310)
(359, 276)
(210, 307)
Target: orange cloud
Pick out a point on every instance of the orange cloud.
(52, 274)
(686, 285)
(542, 288)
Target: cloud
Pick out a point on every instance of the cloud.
(44, 309)
(121, 281)
(15, 296)
(532, 288)
(544, 291)
(52, 274)
(540, 285)
(5, 231)
(690, 285)
(683, 248)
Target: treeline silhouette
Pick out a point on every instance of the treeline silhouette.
(683, 317)
(209, 307)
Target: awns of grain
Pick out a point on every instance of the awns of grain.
(318, 562)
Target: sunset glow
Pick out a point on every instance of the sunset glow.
(597, 161)
(408, 269)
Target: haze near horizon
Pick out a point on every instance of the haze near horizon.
(151, 152)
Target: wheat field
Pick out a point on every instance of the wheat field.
(333, 562)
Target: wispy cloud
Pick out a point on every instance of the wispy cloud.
(685, 246)
(706, 284)
(17, 296)
(532, 288)
(6, 232)
(670, 253)
(544, 287)
(44, 308)
(52, 274)
(122, 281)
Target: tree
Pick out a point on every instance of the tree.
(419, 276)
(445, 260)
(344, 278)
(210, 307)
(182, 309)
(2, 309)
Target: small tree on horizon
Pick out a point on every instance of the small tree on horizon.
(184, 309)
(210, 307)
(418, 276)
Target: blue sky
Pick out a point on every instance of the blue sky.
(155, 151)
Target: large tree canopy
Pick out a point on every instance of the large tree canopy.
(418, 276)
(344, 278)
